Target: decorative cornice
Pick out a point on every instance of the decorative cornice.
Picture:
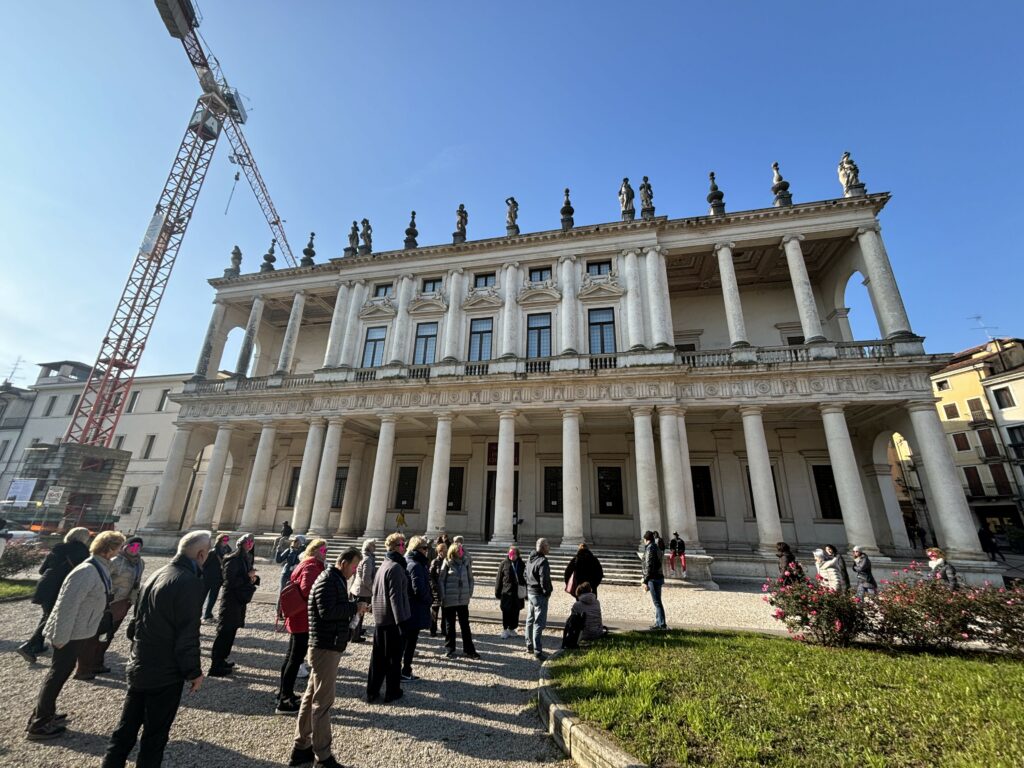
(482, 297)
(427, 303)
(378, 307)
(539, 293)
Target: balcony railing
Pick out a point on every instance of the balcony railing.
(477, 369)
(989, 452)
(420, 372)
(538, 366)
(296, 382)
(864, 350)
(1016, 451)
(366, 374)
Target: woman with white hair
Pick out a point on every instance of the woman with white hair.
(240, 582)
(362, 584)
(77, 615)
(62, 559)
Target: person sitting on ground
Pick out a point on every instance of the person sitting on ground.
(789, 569)
(866, 584)
(126, 582)
(60, 561)
(589, 607)
(297, 625)
(80, 608)
(510, 591)
(835, 560)
(583, 567)
(362, 584)
(941, 570)
(240, 582)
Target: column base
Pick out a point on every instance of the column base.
(571, 543)
(502, 540)
(378, 534)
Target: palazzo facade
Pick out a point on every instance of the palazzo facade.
(696, 375)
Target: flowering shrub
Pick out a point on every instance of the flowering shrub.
(998, 617)
(811, 611)
(918, 611)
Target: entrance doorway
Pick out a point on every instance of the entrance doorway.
(492, 483)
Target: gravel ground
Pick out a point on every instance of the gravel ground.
(462, 713)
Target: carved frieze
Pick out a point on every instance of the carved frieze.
(600, 286)
(378, 307)
(482, 298)
(429, 303)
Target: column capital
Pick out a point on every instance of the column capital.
(751, 410)
(724, 244)
(837, 407)
(921, 405)
(508, 413)
(343, 283)
(336, 421)
(184, 426)
(630, 251)
(571, 257)
(227, 426)
(301, 292)
(571, 412)
(266, 423)
(873, 227)
(444, 415)
(655, 249)
(670, 409)
(791, 237)
(407, 276)
(455, 271)
(387, 417)
(361, 281)
(317, 421)
(257, 297)
(641, 410)
(510, 265)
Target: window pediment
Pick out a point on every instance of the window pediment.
(601, 286)
(534, 294)
(381, 306)
(482, 298)
(428, 303)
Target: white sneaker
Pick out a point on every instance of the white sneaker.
(684, 574)
(303, 671)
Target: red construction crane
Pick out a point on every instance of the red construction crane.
(218, 110)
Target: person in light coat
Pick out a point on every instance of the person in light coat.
(455, 583)
(589, 607)
(834, 560)
(76, 616)
(362, 584)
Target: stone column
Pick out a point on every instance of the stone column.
(437, 508)
(646, 470)
(806, 305)
(572, 480)
(321, 512)
(206, 512)
(400, 330)
(504, 487)
(852, 501)
(769, 526)
(672, 475)
(212, 332)
(570, 332)
(453, 320)
(509, 345)
(692, 544)
(731, 294)
(291, 334)
(882, 476)
(160, 516)
(376, 517)
(943, 492)
(303, 512)
(892, 315)
(257, 491)
(357, 295)
(347, 520)
(332, 357)
(634, 300)
(251, 329)
(658, 302)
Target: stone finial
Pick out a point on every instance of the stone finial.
(367, 235)
(269, 258)
(236, 263)
(646, 199)
(353, 240)
(716, 198)
(567, 211)
(461, 220)
(411, 233)
(308, 253)
(849, 177)
(780, 188)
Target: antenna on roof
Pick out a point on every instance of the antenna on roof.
(14, 369)
(986, 329)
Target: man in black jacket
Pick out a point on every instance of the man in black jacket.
(330, 616)
(164, 656)
(654, 577)
(240, 582)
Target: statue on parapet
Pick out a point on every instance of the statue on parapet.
(461, 220)
(849, 177)
(353, 240)
(511, 216)
(626, 201)
(367, 236)
(646, 199)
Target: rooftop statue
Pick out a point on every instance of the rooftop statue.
(513, 212)
(461, 218)
(646, 194)
(353, 236)
(367, 234)
(626, 200)
(849, 176)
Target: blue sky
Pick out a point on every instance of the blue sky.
(373, 109)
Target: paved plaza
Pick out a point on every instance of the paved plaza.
(461, 713)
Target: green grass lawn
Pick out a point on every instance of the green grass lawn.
(12, 588)
(730, 699)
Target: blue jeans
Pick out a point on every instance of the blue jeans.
(536, 620)
(211, 600)
(654, 585)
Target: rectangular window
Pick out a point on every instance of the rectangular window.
(1016, 435)
(162, 405)
(609, 491)
(49, 405)
(129, 497)
(686, 347)
(1001, 480)
(794, 341)
(133, 400)
(974, 405)
(602, 331)
(72, 405)
(340, 481)
(293, 487)
(951, 411)
(380, 290)
(456, 476)
(750, 490)
(480, 336)
(974, 486)
(3, 448)
(538, 335)
(828, 497)
(596, 268)
(432, 285)
(942, 385)
(540, 274)
(703, 493)
(147, 446)
(492, 455)
(405, 490)
(988, 443)
(553, 490)
(373, 351)
(426, 344)
(485, 280)
(118, 442)
(962, 442)
(1004, 397)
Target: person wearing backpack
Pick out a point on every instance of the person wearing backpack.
(296, 622)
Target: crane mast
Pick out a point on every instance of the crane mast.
(218, 110)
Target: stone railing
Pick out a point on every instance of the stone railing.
(864, 350)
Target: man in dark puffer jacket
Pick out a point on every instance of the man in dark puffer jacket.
(164, 656)
(330, 616)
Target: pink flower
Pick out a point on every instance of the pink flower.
(838, 625)
(814, 613)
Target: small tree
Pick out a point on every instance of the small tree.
(18, 557)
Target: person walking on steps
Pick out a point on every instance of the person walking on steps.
(420, 599)
(297, 624)
(240, 582)
(455, 581)
(391, 612)
(165, 655)
(362, 584)
(510, 591)
(213, 574)
(538, 593)
(653, 577)
(61, 560)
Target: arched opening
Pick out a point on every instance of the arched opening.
(902, 491)
(860, 322)
(229, 353)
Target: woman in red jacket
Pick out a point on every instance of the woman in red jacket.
(297, 625)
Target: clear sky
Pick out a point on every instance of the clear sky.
(373, 109)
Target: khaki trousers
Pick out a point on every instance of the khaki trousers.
(313, 726)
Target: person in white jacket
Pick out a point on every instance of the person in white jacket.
(83, 600)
